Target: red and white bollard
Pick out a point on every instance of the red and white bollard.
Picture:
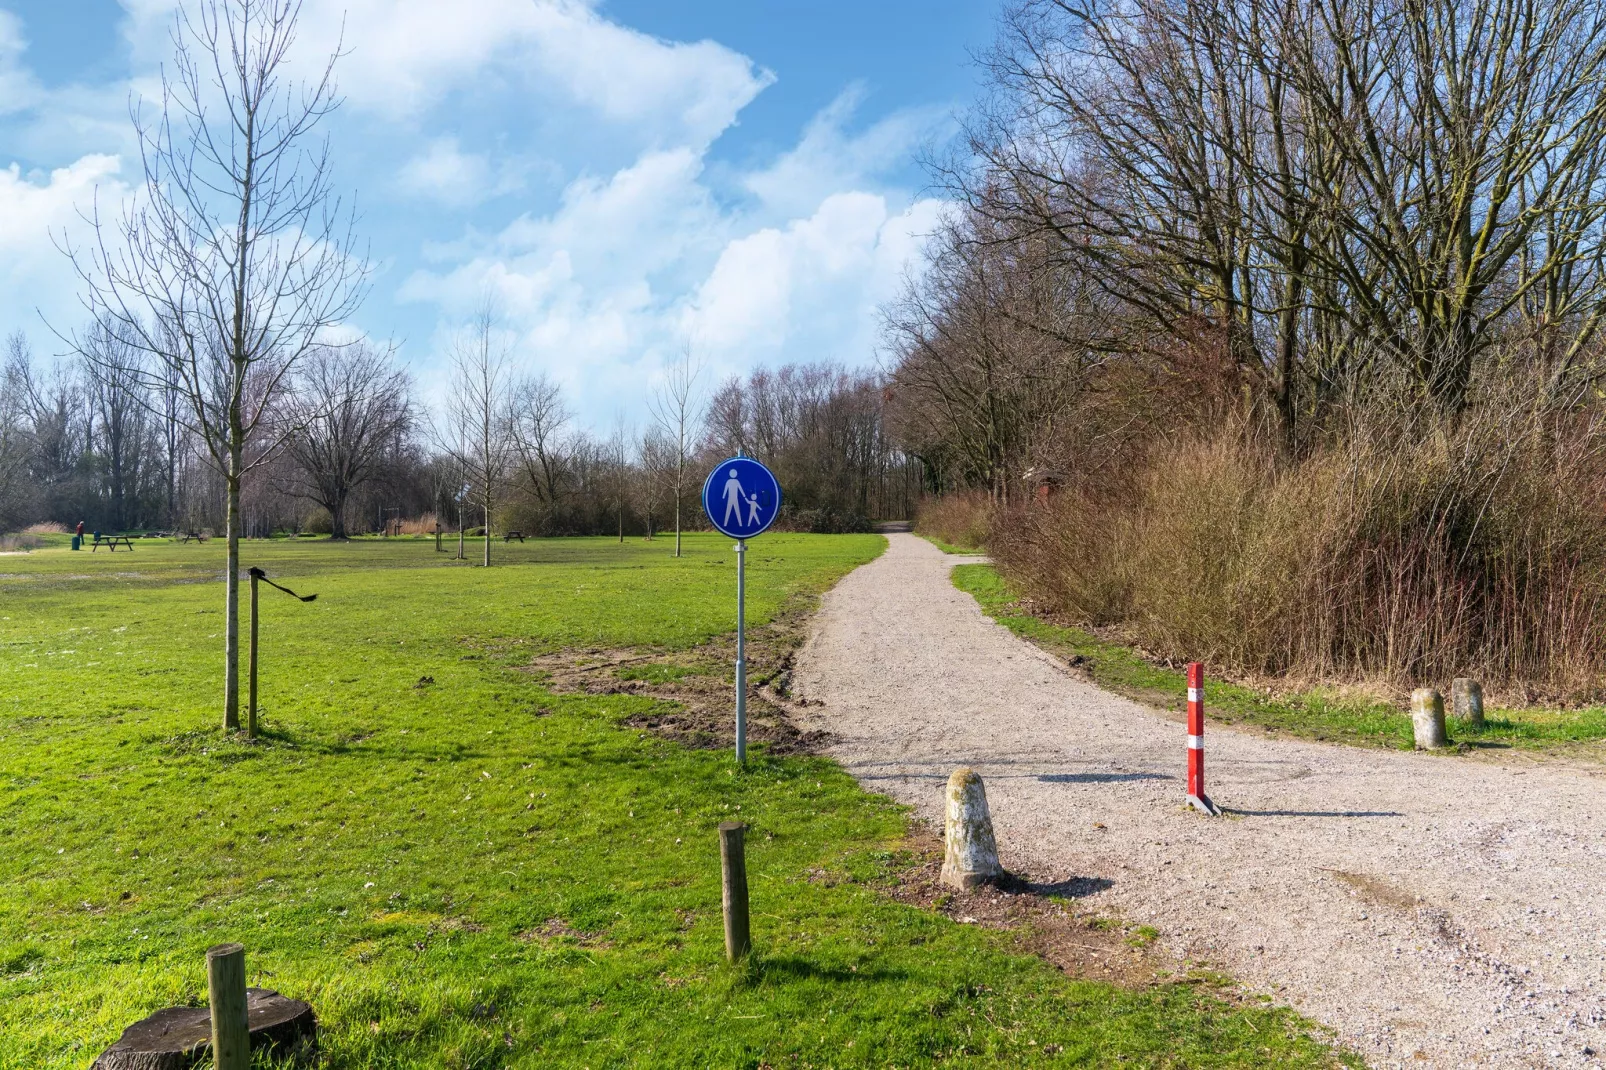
(1196, 782)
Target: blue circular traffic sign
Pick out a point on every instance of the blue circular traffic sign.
(741, 498)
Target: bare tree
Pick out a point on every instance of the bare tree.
(618, 458)
(14, 436)
(477, 412)
(660, 468)
(122, 411)
(235, 258)
(539, 417)
(348, 410)
(677, 409)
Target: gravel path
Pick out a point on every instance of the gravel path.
(1435, 911)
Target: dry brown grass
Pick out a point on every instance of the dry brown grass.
(423, 524)
(49, 527)
(1398, 554)
(960, 520)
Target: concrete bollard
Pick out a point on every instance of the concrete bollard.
(1466, 700)
(1427, 718)
(970, 855)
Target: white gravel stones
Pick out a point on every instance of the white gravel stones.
(1476, 876)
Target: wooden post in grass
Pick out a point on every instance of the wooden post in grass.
(437, 537)
(733, 867)
(251, 691)
(231, 1029)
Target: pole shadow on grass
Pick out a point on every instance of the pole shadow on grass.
(795, 968)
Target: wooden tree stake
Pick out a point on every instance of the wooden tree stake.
(733, 864)
(231, 1029)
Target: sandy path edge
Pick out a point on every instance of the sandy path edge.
(1434, 912)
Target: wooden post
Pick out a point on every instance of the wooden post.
(251, 701)
(733, 867)
(437, 537)
(231, 1028)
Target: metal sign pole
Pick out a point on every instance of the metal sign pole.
(741, 651)
(742, 499)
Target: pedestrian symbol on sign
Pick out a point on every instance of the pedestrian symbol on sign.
(741, 498)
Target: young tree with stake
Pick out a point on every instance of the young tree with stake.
(236, 257)
(478, 412)
(677, 410)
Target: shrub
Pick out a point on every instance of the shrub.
(959, 519)
(1406, 555)
(423, 524)
(49, 527)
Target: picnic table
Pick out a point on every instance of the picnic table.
(110, 542)
(519, 535)
(196, 535)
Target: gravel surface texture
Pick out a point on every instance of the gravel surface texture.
(1434, 910)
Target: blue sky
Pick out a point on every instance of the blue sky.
(624, 177)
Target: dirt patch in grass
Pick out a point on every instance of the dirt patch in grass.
(557, 929)
(696, 689)
(1042, 914)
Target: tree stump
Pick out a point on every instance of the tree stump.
(1427, 719)
(1466, 699)
(177, 1038)
(970, 854)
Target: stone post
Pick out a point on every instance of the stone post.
(1427, 718)
(1466, 699)
(970, 856)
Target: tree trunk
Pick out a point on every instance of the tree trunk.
(337, 518)
(487, 530)
(677, 520)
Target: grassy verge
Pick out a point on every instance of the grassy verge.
(948, 547)
(1313, 714)
(460, 868)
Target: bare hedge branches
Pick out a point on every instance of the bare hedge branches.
(1335, 186)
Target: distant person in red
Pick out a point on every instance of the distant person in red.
(80, 531)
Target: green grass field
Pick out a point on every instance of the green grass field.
(1323, 715)
(475, 872)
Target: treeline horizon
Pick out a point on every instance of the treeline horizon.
(349, 449)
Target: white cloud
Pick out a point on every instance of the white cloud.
(32, 209)
(630, 242)
(443, 172)
(828, 158)
(404, 56)
(809, 290)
